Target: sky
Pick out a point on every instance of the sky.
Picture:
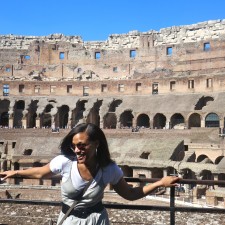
(96, 20)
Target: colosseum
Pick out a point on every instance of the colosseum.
(158, 96)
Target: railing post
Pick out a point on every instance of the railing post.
(172, 206)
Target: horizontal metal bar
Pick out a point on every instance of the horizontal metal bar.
(121, 206)
(181, 181)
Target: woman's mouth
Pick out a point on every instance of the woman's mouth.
(80, 156)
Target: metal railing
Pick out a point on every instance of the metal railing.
(172, 208)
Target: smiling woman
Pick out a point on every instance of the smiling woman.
(87, 168)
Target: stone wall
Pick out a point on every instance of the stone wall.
(122, 56)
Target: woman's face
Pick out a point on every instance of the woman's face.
(84, 148)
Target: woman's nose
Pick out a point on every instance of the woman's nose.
(77, 149)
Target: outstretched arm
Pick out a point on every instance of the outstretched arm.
(35, 172)
(134, 193)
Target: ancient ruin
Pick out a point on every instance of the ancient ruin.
(158, 95)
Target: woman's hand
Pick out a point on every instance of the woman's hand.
(6, 174)
(169, 181)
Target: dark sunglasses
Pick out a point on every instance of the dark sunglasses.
(79, 146)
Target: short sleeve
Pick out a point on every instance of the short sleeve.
(112, 174)
(57, 164)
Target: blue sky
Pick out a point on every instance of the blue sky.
(95, 20)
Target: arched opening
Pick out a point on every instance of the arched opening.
(16, 166)
(194, 120)
(18, 114)
(4, 119)
(204, 159)
(212, 120)
(93, 116)
(110, 121)
(157, 173)
(218, 159)
(4, 116)
(126, 119)
(143, 121)
(159, 121)
(202, 102)
(46, 116)
(114, 105)
(77, 113)
(32, 122)
(206, 175)
(177, 121)
(221, 177)
(63, 114)
(32, 114)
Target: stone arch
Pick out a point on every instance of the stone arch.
(126, 119)
(93, 116)
(143, 120)
(206, 175)
(218, 159)
(32, 114)
(110, 118)
(46, 116)
(159, 121)
(18, 114)
(63, 114)
(16, 166)
(194, 120)
(204, 159)
(4, 115)
(4, 119)
(177, 120)
(187, 173)
(114, 105)
(221, 177)
(77, 113)
(171, 171)
(202, 102)
(127, 170)
(110, 121)
(212, 120)
(157, 172)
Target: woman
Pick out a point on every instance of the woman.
(86, 169)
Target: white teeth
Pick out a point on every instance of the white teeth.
(81, 154)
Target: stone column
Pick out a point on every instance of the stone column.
(10, 121)
(203, 122)
(24, 122)
(215, 177)
(38, 121)
(24, 119)
(69, 124)
(134, 122)
(168, 126)
(151, 122)
(221, 123)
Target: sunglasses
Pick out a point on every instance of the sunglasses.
(80, 146)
